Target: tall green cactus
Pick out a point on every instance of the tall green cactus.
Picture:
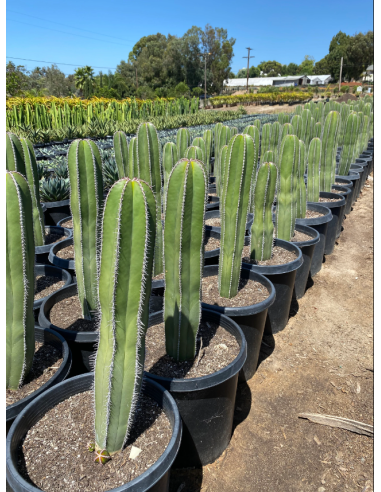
(184, 256)
(283, 118)
(149, 170)
(239, 169)
(194, 152)
(358, 149)
(86, 199)
(270, 156)
(262, 230)
(233, 131)
(222, 139)
(344, 114)
(223, 154)
(169, 161)
(364, 134)
(132, 159)
(253, 131)
(126, 259)
(287, 129)
(121, 153)
(200, 142)
(298, 125)
(14, 154)
(301, 203)
(317, 130)
(329, 146)
(265, 139)
(298, 109)
(288, 163)
(276, 130)
(19, 279)
(347, 156)
(306, 126)
(183, 141)
(34, 185)
(208, 138)
(257, 123)
(313, 170)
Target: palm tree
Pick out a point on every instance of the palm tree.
(83, 76)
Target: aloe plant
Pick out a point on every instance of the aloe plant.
(348, 156)
(238, 172)
(262, 230)
(183, 141)
(313, 170)
(126, 259)
(20, 280)
(121, 153)
(329, 146)
(184, 256)
(86, 200)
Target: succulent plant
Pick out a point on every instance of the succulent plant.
(121, 153)
(238, 172)
(283, 118)
(20, 280)
(110, 173)
(183, 141)
(317, 130)
(208, 138)
(276, 130)
(194, 152)
(132, 159)
(200, 142)
(306, 126)
(169, 161)
(54, 189)
(329, 147)
(262, 230)
(301, 203)
(14, 154)
(298, 126)
(265, 139)
(270, 156)
(349, 144)
(313, 170)
(184, 256)
(86, 201)
(257, 123)
(222, 139)
(126, 259)
(59, 168)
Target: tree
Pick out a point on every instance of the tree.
(360, 54)
(84, 79)
(307, 65)
(270, 67)
(322, 67)
(16, 79)
(337, 49)
(56, 83)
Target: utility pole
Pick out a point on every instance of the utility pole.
(248, 61)
(205, 55)
(341, 71)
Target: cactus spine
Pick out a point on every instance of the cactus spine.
(184, 257)
(329, 146)
(121, 153)
(288, 163)
(208, 138)
(86, 197)
(265, 139)
(149, 169)
(34, 185)
(349, 144)
(239, 168)
(132, 159)
(126, 258)
(262, 230)
(313, 170)
(15, 154)
(194, 152)
(301, 204)
(183, 141)
(20, 280)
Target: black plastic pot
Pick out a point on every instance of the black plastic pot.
(81, 344)
(55, 211)
(42, 252)
(345, 192)
(155, 479)
(212, 257)
(51, 338)
(251, 319)
(283, 279)
(368, 156)
(360, 171)
(307, 248)
(349, 198)
(337, 210)
(355, 179)
(213, 214)
(51, 271)
(213, 203)
(364, 164)
(64, 220)
(61, 262)
(206, 404)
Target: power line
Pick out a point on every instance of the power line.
(68, 33)
(71, 27)
(56, 63)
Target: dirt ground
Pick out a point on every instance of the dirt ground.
(279, 108)
(322, 363)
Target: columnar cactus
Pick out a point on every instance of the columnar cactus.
(298, 109)
(121, 153)
(348, 156)
(184, 256)
(34, 185)
(132, 159)
(183, 141)
(200, 142)
(365, 133)
(344, 114)
(126, 259)
(149, 170)
(283, 118)
(262, 230)
(276, 130)
(233, 130)
(313, 170)
(301, 203)
(222, 139)
(257, 123)
(306, 126)
(194, 152)
(317, 130)
(329, 146)
(288, 162)
(15, 154)
(298, 125)
(238, 175)
(253, 131)
(208, 138)
(287, 129)
(20, 280)
(169, 161)
(358, 149)
(265, 139)
(223, 154)
(270, 156)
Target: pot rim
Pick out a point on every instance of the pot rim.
(51, 271)
(61, 262)
(328, 194)
(60, 203)
(63, 220)
(54, 229)
(314, 239)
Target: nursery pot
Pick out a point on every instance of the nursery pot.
(345, 192)
(251, 319)
(81, 344)
(64, 220)
(283, 279)
(337, 210)
(206, 404)
(155, 479)
(213, 214)
(55, 211)
(349, 198)
(364, 164)
(42, 252)
(212, 257)
(213, 203)
(52, 338)
(355, 180)
(307, 248)
(62, 262)
(360, 171)
(368, 156)
(51, 271)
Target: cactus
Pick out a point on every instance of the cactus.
(222, 139)
(200, 142)
(262, 230)
(306, 126)
(265, 139)
(344, 114)
(183, 141)
(184, 256)
(34, 185)
(298, 109)
(298, 126)
(301, 202)
(270, 156)
(223, 161)
(238, 175)
(121, 153)
(194, 152)
(257, 123)
(317, 130)
(126, 258)
(313, 170)
(364, 134)
(253, 131)
(208, 138)
(233, 131)
(15, 154)
(329, 146)
(287, 129)
(149, 170)
(169, 161)
(288, 162)
(132, 159)
(20, 280)
(283, 118)
(86, 198)
(349, 144)
(276, 130)
(358, 149)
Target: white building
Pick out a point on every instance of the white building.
(289, 81)
(367, 76)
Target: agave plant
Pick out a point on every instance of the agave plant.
(54, 189)
(110, 173)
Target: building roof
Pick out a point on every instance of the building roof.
(320, 77)
(370, 67)
(252, 81)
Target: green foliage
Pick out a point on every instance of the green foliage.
(54, 189)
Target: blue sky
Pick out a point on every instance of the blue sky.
(276, 30)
